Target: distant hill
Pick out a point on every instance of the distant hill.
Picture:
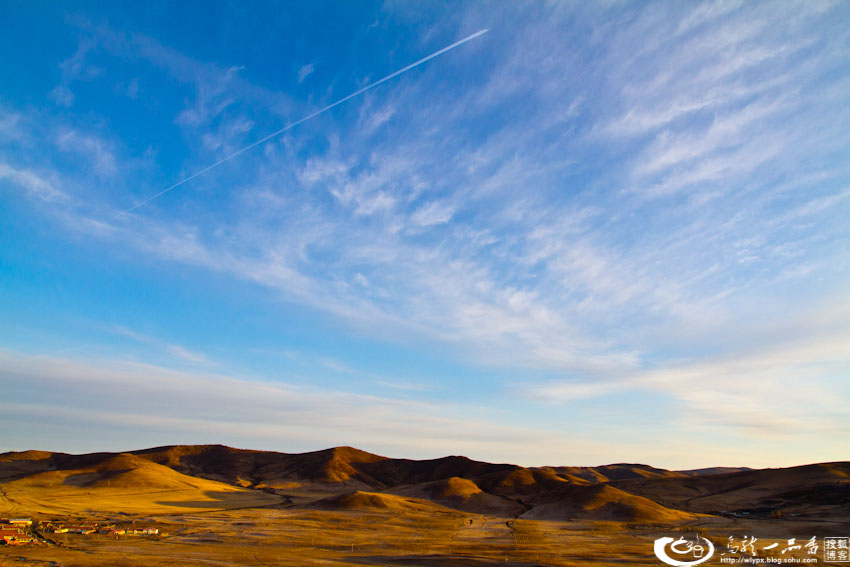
(607, 473)
(345, 465)
(212, 477)
(714, 470)
(792, 490)
(245, 467)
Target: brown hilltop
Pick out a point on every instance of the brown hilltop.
(19, 464)
(119, 471)
(604, 502)
(245, 467)
(454, 488)
(608, 473)
(523, 482)
(392, 472)
(26, 456)
(335, 465)
(464, 494)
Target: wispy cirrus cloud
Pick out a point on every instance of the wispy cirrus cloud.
(305, 71)
(174, 350)
(92, 147)
(599, 194)
(30, 181)
(566, 264)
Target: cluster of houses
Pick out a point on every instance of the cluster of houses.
(17, 531)
(56, 527)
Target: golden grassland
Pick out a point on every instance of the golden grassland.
(20, 499)
(311, 510)
(391, 537)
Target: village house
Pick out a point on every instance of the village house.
(83, 530)
(57, 527)
(14, 536)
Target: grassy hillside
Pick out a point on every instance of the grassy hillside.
(114, 483)
(211, 477)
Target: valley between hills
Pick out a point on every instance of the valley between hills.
(216, 505)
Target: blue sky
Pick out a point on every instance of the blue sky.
(597, 233)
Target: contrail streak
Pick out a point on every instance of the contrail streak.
(305, 119)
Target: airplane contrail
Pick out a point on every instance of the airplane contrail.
(306, 118)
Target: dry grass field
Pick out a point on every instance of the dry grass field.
(387, 537)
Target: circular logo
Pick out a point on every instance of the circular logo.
(684, 549)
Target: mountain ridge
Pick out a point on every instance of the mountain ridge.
(348, 478)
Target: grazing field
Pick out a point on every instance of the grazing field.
(375, 537)
(64, 500)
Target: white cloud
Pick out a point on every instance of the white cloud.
(129, 89)
(177, 351)
(435, 212)
(304, 72)
(728, 129)
(706, 13)
(373, 118)
(96, 149)
(187, 355)
(10, 126)
(228, 136)
(74, 68)
(35, 185)
(62, 96)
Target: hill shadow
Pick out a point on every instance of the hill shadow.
(222, 499)
(83, 480)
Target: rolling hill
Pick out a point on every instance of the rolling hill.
(605, 502)
(371, 501)
(209, 477)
